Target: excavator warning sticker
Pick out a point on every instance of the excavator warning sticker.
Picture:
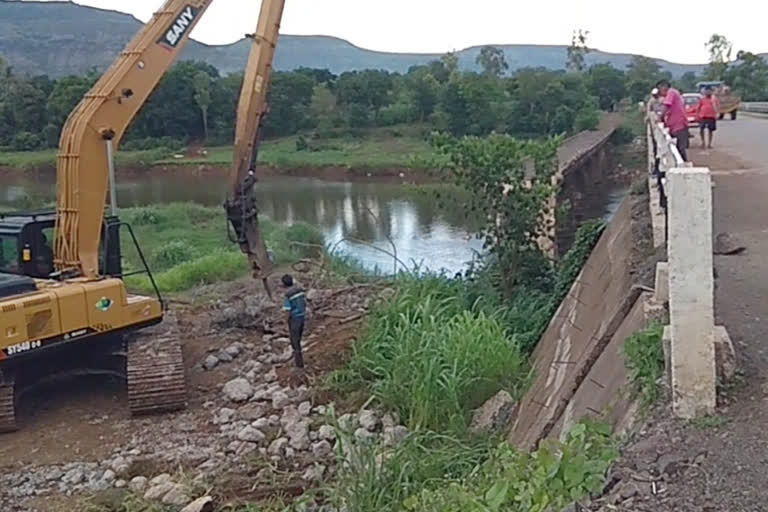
(179, 27)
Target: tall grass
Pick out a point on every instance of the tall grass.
(431, 358)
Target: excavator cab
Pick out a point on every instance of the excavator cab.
(26, 245)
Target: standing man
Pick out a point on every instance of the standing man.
(706, 113)
(674, 116)
(295, 306)
(654, 103)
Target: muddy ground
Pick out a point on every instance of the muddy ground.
(76, 425)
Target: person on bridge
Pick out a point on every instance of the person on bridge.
(706, 113)
(674, 116)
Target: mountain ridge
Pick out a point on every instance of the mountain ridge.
(78, 38)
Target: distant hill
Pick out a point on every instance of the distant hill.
(61, 38)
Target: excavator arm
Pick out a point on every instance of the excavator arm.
(242, 210)
(94, 129)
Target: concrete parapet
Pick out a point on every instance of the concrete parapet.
(691, 291)
(661, 283)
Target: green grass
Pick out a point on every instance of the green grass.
(644, 358)
(381, 148)
(186, 245)
(432, 358)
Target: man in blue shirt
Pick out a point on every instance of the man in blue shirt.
(295, 307)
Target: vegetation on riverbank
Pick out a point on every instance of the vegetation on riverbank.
(442, 345)
(186, 245)
(397, 147)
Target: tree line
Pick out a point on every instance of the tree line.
(194, 102)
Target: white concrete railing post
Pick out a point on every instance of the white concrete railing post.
(691, 291)
(692, 336)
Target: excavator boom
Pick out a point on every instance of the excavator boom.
(241, 207)
(94, 129)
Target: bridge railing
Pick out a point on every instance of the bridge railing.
(681, 210)
(758, 107)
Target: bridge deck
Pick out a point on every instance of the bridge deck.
(734, 448)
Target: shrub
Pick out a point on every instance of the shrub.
(433, 360)
(586, 119)
(145, 216)
(644, 356)
(25, 141)
(212, 268)
(171, 254)
(550, 478)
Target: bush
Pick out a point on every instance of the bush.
(212, 268)
(145, 216)
(586, 119)
(622, 135)
(297, 241)
(431, 359)
(169, 144)
(644, 355)
(550, 478)
(397, 113)
(171, 254)
(25, 141)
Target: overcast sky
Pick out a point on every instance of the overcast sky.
(672, 30)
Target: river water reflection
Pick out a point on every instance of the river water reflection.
(368, 214)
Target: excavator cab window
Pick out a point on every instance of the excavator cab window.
(9, 253)
(26, 246)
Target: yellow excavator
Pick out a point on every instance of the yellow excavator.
(65, 309)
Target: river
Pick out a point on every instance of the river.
(366, 218)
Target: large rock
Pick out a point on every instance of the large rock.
(322, 449)
(277, 447)
(157, 492)
(176, 496)
(138, 484)
(210, 362)
(251, 435)
(326, 432)
(280, 399)
(394, 435)
(238, 390)
(368, 420)
(725, 355)
(298, 434)
(204, 504)
(495, 414)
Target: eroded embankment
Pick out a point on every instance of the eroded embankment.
(579, 366)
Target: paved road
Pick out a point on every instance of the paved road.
(736, 465)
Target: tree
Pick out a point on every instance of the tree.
(719, 48)
(450, 62)
(323, 107)
(688, 81)
(202, 84)
(608, 84)
(749, 76)
(578, 51)
(424, 90)
(369, 89)
(642, 75)
(492, 60)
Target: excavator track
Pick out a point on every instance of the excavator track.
(7, 408)
(155, 378)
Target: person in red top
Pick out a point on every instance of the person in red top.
(706, 113)
(674, 116)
